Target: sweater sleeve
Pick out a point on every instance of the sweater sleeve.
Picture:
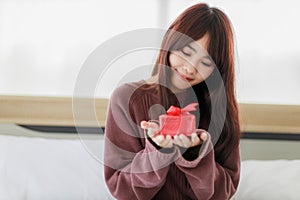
(134, 168)
(209, 179)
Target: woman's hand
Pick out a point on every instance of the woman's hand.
(153, 132)
(190, 141)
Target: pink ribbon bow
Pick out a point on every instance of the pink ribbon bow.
(173, 110)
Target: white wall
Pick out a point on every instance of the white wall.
(43, 44)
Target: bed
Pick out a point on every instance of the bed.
(37, 165)
(269, 180)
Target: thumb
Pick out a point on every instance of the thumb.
(152, 132)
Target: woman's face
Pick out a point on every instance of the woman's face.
(190, 65)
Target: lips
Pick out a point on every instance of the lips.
(186, 78)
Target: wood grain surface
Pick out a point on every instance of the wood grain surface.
(65, 111)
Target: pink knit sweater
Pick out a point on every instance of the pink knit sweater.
(136, 169)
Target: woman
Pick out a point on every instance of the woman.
(195, 64)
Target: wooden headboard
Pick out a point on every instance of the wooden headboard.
(57, 111)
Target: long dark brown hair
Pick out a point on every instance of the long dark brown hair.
(195, 22)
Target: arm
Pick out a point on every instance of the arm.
(209, 179)
(134, 168)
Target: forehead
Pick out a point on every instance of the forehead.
(200, 44)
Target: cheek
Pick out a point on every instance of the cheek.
(174, 60)
(204, 73)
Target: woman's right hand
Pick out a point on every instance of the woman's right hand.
(153, 132)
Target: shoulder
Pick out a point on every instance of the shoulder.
(126, 88)
(133, 91)
(134, 100)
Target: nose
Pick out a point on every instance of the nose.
(189, 68)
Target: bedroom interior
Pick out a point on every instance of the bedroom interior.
(42, 155)
(39, 140)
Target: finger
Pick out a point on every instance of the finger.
(203, 136)
(165, 140)
(195, 139)
(185, 140)
(152, 132)
(170, 143)
(144, 124)
(153, 125)
(194, 136)
(177, 140)
(158, 139)
(148, 125)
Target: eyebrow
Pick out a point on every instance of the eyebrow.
(188, 45)
(208, 57)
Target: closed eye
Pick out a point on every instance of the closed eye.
(185, 53)
(206, 64)
(186, 50)
(207, 61)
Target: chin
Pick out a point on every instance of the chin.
(182, 85)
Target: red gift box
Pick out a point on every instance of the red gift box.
(178, 121)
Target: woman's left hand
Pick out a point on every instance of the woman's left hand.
(190, 141)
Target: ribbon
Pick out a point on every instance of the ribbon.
(176, 111)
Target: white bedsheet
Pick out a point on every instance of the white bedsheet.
(36, 168)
